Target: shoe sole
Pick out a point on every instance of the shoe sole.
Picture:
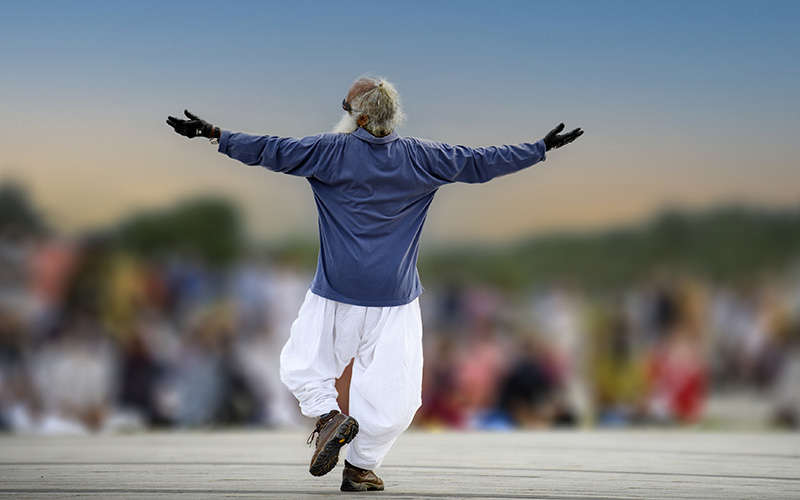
(329, 455)
(351, 486)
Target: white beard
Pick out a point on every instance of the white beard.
(346, 125)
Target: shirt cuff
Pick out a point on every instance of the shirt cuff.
(223, 141)
(541, 144)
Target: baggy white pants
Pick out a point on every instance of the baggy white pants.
(386, 386)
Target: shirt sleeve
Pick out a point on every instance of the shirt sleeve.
(288, 155)
(477, 165)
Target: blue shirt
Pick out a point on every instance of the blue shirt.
(372, 195)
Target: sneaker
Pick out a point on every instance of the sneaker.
(358, 479)
(333, 431)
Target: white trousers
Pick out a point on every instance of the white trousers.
(386, 386)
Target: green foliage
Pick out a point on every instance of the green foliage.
(18, 217)
(725, 244)
(206, 227)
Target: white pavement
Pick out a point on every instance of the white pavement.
(527, 465)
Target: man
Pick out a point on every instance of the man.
(372, 189)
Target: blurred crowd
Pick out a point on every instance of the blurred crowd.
(651, 355)
(94, 339)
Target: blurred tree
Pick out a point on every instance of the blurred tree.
(18, 217)
(209, 228)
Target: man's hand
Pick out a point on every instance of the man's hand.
(554, 141)
(193, 127)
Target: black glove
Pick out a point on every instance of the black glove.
(193, 127)
(554, 141)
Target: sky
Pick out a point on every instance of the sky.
(684, 104)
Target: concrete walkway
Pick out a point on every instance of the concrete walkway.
(530, 465)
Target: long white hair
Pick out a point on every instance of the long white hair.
(379, 101)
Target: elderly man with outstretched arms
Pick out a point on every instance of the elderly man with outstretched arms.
(372, 190)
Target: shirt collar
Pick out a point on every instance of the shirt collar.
(366, 136)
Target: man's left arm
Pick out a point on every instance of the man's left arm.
(299, 157)
(478, 165)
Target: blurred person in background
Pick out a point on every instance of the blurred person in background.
(559, 320)
(763, 349)
(263, 295)
(50, 265)
(373, 189)
(677, 368)
(74, 379)
(286, 294)
(619, 372)
(441, 402)
(140, 372)
(13, 382)
(479, 369)
(746, 323)
(786, 391)
(195, 384)
(529, 395)
(251, 346)
(787, 384)
(481, 362)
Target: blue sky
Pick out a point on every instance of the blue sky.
(685, 104)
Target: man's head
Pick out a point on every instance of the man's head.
(373, 104)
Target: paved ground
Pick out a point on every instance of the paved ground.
(529, 465)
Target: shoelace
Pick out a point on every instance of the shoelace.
(311, 437)
(321, 421)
